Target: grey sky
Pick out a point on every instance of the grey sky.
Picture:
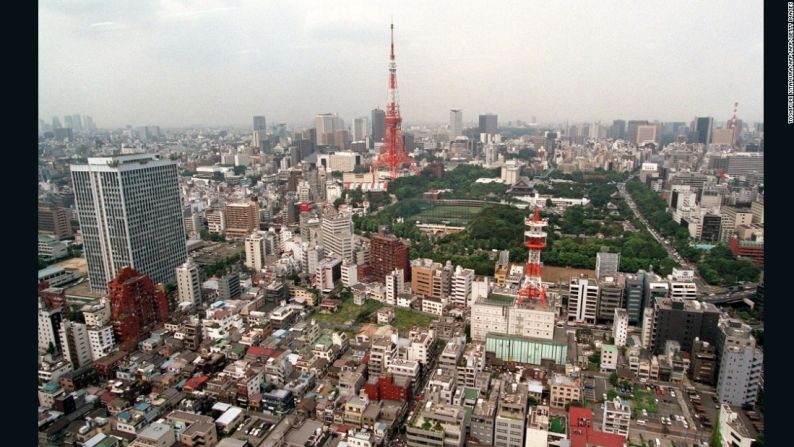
(179, 62)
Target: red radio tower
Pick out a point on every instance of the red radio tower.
(535, 242)
(393, 153)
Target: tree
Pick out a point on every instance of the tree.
(51, 349)
(218, 176)
(239, 170)
(613, 379)
(716, 436)
(549, 203)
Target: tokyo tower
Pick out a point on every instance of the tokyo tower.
(392, 155)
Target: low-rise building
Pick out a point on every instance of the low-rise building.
(437, 425)
(609, 358)
(563, 390)
(617, 417)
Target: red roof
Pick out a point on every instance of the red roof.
(583, 434)
(195, 382)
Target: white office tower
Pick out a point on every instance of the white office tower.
(285, 236)
(337, 235)
(455, 123)
(741, 364)
(349, 273)
(395, 285)
(620, 327)
(255, 251)
(188, 282)
(130, 214)
(74, 342)
(607, 264)
(491, 154)
(304, 191)
(461, 285)
(510, 172)
(360, 128)
(582, 300)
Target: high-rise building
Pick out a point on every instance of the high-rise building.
(337, 235)
(682, 321)
(378, 124)
(632, 128)
(620, 327)
(645, 133)
(327, 124)
(703, 127)
(387, 253)
(341, 139)
(360, 128)
(635, 291)
(611, 291)
(395, 285)
(74, 341)
(430, 279)
(255, 251)
(741, 364)
(455, 123)
(136, 307)
(607, 264)
(241, 219)
(130, 214)
(54, 220)
(56, 123)
(461, 286)
(489, 123)
(188, 282)
(77, 123)
(583, 300)
(722, 137)
(618, 130)
(49, 324)
(730, 219)
(229, 286)
(260, 123)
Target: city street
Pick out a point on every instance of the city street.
(703, 288)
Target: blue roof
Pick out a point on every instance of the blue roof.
(50, 271)
(181, 383)
(142, 406)
(51, 386)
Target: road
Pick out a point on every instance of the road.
(702, 286)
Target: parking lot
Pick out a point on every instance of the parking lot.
(659, 410)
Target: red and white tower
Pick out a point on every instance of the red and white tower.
(535, 240)
(393, 155)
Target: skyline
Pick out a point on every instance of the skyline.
(292, 61)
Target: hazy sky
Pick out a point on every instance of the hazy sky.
(215, 62)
